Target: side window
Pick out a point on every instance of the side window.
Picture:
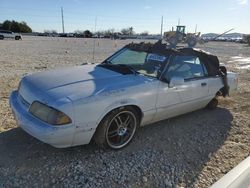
(205, 70)
(197, 68)
(187, 67)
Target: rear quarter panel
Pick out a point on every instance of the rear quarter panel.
(215, 84)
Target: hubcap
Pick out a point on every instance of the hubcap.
(121, 129)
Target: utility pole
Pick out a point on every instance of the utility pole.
(161, 25)
(179, 20)
(195, 28)
(94, 41)
(62, 19)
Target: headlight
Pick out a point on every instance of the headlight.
(48, 114)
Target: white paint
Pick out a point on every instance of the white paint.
(87, 93)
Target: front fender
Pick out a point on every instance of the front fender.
(85, 128)
(117, 104)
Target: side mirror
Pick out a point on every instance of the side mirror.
(176, 81)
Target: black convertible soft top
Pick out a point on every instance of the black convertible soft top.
(210, 61)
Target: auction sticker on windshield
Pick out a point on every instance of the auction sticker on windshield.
(156, 57)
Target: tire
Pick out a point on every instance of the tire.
(17, 37)
(212, 104)
(191, 42)
(117, 128)
(1, 37)
(223, 69)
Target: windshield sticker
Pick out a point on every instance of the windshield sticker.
(156, 57)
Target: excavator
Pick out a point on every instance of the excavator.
(179, 36)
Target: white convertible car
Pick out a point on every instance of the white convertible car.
(138, 85)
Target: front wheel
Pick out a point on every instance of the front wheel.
(117, 129)
(212, 104)
(1, 37)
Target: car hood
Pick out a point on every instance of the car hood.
(76, 82)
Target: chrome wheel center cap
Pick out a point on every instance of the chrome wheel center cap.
(122, 131)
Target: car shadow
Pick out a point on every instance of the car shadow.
(181, 146)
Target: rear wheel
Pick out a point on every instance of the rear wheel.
(212, 104)
(117, 129)
(1, 37)
(17, 37)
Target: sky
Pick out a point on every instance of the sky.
(214, 16)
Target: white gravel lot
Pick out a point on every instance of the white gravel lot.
(192, 150)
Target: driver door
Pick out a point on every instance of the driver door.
(191, 95)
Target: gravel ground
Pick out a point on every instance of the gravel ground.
(192, 150)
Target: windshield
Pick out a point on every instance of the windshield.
(144, 63)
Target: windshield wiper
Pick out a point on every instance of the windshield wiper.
(129, 67)
(108, 64)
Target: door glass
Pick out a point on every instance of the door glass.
(187, 67)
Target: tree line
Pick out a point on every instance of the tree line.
(14, 26)
(101, 33)
(22, 27)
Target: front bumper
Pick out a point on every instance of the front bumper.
(57, 136)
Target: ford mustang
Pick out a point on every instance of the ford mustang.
(137, 85)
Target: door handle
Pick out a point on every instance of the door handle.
(203, 84)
